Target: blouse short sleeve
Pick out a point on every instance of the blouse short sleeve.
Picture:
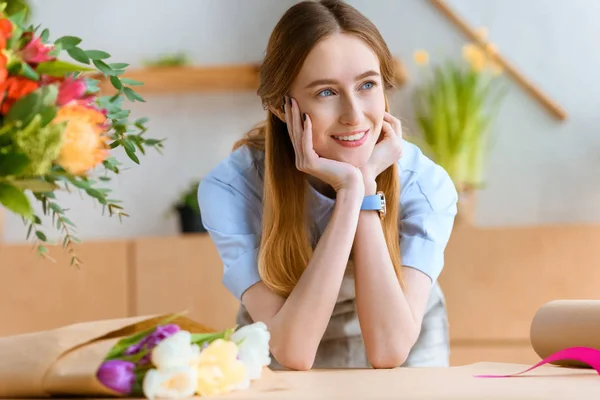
(428, 203)
(230, 209)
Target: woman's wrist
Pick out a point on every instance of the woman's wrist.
(370, 186)
(351, 194)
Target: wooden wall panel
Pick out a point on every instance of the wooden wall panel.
(182, 273)
(37, 294)
(496, 279)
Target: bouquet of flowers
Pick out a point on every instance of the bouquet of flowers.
(152, 357)
(56, 128)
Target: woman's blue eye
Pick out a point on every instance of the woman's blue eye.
(368, 83)
(325, 91)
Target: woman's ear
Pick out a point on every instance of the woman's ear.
(278, 112)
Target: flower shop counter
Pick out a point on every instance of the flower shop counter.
(546, 382)
(494, 280)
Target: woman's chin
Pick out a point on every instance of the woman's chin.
(357, 160)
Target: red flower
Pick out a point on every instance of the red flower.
(13, 88)
(6, 29)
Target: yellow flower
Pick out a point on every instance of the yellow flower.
(84, 144)
(473, 54)
(481, 59)
(219, 370)
(421, 57)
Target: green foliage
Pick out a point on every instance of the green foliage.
(189, 197)
(168, 60)
(455, 108)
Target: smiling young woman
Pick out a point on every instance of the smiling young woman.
(331, 227)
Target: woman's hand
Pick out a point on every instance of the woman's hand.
(386, 152)
(338, 175)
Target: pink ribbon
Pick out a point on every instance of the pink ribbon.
(587, 355)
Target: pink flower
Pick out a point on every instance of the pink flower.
(36, 52)
(70, 90)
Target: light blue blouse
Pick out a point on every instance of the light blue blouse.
(230, 198)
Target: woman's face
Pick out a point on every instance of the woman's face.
(340, 88)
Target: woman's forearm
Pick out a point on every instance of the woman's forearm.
(298, 327)
(388, 326)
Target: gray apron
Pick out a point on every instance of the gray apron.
(342, 345)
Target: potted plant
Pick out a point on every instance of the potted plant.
(188, 210)
(455, 106)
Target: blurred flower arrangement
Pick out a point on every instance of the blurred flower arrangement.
(455, 107)
(168, 362)
(55, 128)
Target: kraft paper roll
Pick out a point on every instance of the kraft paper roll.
(561, 324)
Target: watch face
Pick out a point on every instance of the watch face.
(383, 204)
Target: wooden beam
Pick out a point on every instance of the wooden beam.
(550, 105)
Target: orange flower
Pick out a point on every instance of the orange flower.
(3, 70)
(84, 143)
(6, 29)
(15, 87)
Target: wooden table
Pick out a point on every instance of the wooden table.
(547, 382)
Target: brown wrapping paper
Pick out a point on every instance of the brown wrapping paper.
(64, 361)
(566, 323)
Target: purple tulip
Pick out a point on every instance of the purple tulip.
(158, 335)
(117, 375)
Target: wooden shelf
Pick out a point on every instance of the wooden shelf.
(162, 80)
(191, 79)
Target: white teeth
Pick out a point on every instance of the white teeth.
(351, 138)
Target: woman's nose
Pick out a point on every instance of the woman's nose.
(350, 113)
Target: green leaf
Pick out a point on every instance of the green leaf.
(67, 42)
(15, 200)
(42, 250)
(13, 163)
(32, 104)
(132, 155)
(45, 35)
(132, 95)
(131, 82)
(19, 17)
(48, 113)
(97, 54)
(103, 67)
(118, 65)
(117, 349)
(35, 185)
(29, 72)
(116, 82)
(59, 68)
(40, 235)
(79, 55)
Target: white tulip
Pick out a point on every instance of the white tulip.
(175, 351)
(253, 347)
(170, 383)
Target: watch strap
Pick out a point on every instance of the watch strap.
(372, 202)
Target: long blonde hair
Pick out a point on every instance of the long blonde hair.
(285, 247)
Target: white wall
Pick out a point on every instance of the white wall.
(540, 171)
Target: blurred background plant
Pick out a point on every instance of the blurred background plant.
(168, 60)
(455, 107)
(188, 209)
